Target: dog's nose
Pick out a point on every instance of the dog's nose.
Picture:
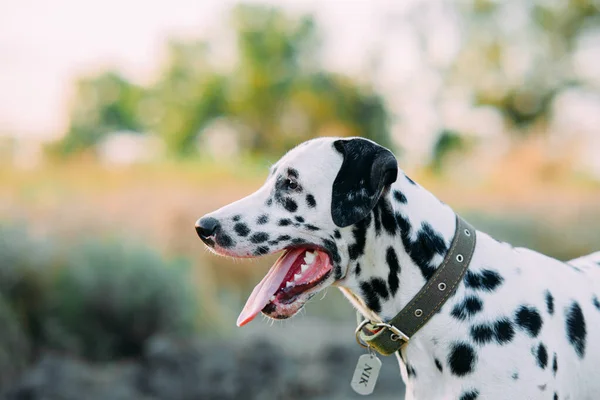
(207, 227)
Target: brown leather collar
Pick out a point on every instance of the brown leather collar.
(388, 338)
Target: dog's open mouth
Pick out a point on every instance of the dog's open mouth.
(290, 282)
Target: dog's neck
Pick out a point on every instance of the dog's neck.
(416, 230)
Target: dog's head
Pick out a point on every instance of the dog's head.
(312, 194)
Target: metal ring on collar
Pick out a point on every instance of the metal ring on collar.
(357, 333)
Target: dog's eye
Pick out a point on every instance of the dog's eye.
(290, 184)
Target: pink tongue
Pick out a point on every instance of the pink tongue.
(262, 293)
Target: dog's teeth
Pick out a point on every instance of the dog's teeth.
(297, 276)
(303, 267)
(287, 285)
(272, 298)
(309, 257)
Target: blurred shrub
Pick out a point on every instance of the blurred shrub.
(14, 346)
(97, 299)
(109, 299)
(25, 265)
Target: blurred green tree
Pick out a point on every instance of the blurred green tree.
(102, 104)
(187, 96)
(281, 92)
(277, 91)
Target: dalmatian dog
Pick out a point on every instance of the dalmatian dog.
(520, 325)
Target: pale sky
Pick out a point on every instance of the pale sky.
(44, 45)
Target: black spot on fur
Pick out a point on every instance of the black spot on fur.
(236, 218)
(224, 240)
(485, 280)
(241, 229)
(543, 387)
(470, 395)
(576, 330)
(529, 319)
(438, 365)
(310, 201)
(377, 220)
(462, 359)
(311, 227)
(299, 218)
(392, 261)
(554, 365)
(596, 302)
(427, 245)
(400, 197)
(371, 298)
(298, 241)
(541, 355)
(482, 334)
(273, 242)
(269, 202)
(337, 234)
(284, 238)
(263, 219)
(359, 231)
(261, 251)
(259, 237)
(555, 396)
(284, 222)
(501, 331)
(504, 331)
(515, 376)
(387, 217)
(470, 306)
(292, 172)
(290, 205)
(380, 287)
(357, 270)
(410, 371)
(549, 302)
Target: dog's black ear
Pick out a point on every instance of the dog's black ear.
(366, 171)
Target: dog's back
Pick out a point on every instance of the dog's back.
(585, 262)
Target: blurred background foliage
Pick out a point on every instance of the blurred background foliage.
(498, 119)
(100, 299)
(277, 90)
(514, 57)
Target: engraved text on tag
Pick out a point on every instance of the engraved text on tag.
(366, 373)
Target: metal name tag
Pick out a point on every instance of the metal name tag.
(366, 374)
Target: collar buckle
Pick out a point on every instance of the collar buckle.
(396, 335)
